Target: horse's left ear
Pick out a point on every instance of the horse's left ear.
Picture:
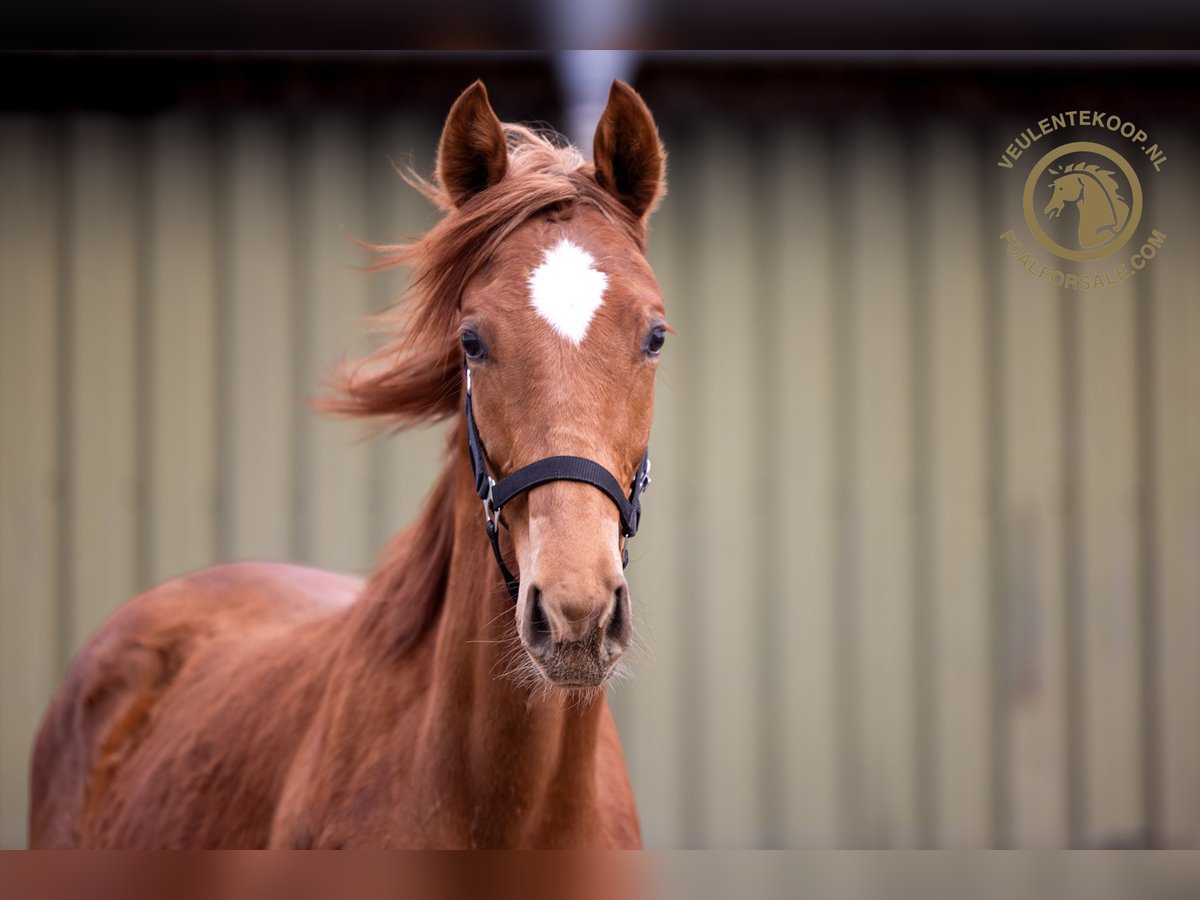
(630, 160)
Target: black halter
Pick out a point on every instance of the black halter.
(496, 494)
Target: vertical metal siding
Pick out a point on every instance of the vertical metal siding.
(921, 564)
(31, 513)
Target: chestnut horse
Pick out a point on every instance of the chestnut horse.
(270, 705)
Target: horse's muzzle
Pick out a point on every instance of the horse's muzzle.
(576, 637)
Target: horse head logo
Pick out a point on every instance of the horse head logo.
(1096, 195)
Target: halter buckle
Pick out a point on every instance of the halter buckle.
(645, 476)
(490, 513)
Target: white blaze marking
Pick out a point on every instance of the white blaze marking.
(567, 289)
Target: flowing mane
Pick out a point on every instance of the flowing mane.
(416, 376)
(1103, 176)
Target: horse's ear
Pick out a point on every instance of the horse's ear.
(472, 154)
(630, 160)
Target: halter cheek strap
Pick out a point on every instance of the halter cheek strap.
(496, 494)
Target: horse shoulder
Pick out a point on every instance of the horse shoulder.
(122, 674)
(356, 779)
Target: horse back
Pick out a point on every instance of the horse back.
(200, 687)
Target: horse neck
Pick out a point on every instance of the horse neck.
(1094, 209)
(491, 745)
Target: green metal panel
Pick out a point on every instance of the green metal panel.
(920, 561)
(30, 445)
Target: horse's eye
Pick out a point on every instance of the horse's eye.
(473, 345)
(655, 340)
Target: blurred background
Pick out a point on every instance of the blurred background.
(921, 562)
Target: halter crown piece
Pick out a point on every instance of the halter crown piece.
(496, 494)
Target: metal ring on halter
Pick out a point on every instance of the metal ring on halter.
(490, 513)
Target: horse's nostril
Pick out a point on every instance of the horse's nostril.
(538, 636)
(619, 628)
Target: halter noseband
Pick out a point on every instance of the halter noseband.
(496, 494)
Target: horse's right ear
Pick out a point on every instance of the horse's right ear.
(472, 154)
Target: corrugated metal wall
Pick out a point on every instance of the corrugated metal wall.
(921, 562)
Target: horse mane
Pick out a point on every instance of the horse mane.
(415, 377)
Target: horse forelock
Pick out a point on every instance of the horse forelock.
(415, 377)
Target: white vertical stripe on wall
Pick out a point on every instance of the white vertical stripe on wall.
(799, 316)
(881, 496)
(102, 236)
(1031, 638)
(257, 334)
(1107, 506)
(30, 661)
(958, 489)
(181, 349)
(725, 522)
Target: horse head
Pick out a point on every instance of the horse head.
(1068, 188)
(560, 330)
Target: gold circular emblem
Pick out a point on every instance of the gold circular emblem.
(1082, 208)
